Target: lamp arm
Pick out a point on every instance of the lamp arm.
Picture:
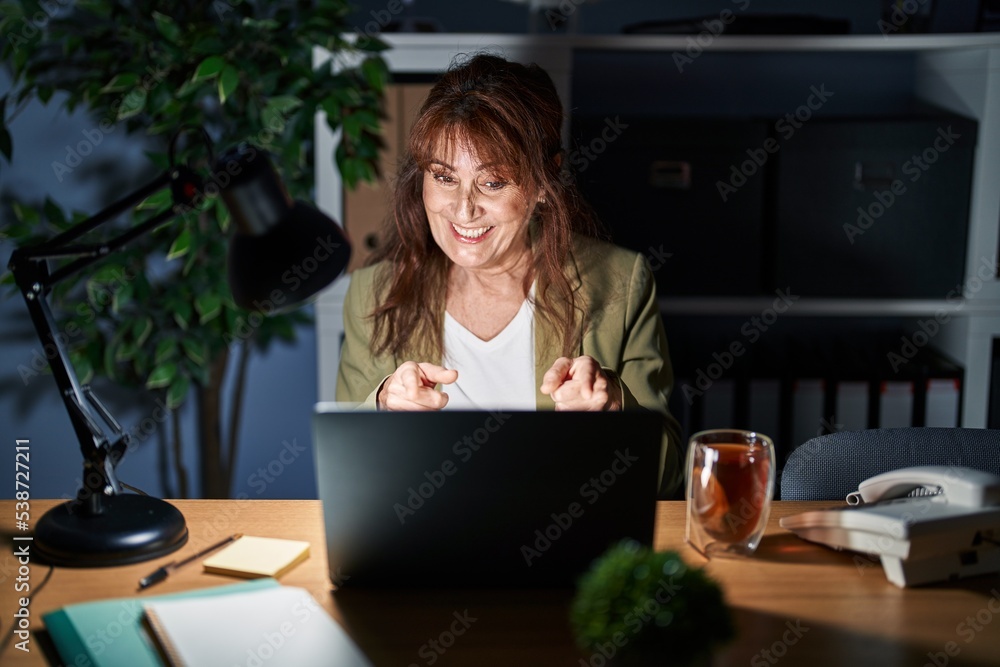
(102, 440)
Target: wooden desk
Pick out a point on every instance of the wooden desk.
(793, 602)
(208, 522)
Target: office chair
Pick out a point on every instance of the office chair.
(829, 467)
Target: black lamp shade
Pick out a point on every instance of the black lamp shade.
(282, 252)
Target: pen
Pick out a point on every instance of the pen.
(162, 573)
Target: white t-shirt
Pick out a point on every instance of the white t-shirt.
(495, 374)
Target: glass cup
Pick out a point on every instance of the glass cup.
(730, 481)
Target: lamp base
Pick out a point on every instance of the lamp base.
(127, 529)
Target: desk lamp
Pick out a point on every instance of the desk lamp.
(103, 526)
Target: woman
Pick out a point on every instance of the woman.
(490, 289)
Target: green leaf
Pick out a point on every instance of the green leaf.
(126, 350)
(229, 80)
(282, 104)
(195, 351)
(165, 349)
(96, 294)
(207, 46)
(53, 213)
(222, 215)
(121, 82)
(162, 376)
(178, 391)
(208, 305)
(167, 27)
(25, 214)
(209, 67)
(278, 110)
(189, 87)
(81, 364)
(157, 202)
(109, 361)
(180, 246)
(331, 105)
(122, 296)
(132, 104)
(142, 329)
(182, 315)
(375, 72)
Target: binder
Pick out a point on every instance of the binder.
(807, 410)
(852, 406)
(943, 402)
(896, 404)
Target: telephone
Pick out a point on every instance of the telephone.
(926, 523)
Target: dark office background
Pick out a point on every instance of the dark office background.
(283, 383)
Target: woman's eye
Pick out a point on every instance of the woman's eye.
(494, 185)
(441, 177)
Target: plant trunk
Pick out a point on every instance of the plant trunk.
(236, 411)
(179, 470)
(214, 468)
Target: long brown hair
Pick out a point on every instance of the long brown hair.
(510, 115)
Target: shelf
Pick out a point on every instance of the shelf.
(785, 43)
(812, 307)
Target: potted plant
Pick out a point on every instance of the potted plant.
(159, 315)
(636, 606)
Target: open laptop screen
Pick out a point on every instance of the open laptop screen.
(488, 499)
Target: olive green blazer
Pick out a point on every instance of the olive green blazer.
(625, 335)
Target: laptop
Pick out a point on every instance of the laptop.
(481, 499)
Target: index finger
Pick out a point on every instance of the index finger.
(409, 377)
(556, 374)
(586, 371)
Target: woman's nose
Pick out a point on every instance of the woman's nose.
(466, 204)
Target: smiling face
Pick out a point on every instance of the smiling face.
(477, 216)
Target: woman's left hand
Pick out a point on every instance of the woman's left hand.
(581, 384)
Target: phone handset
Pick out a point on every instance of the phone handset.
(958, 485)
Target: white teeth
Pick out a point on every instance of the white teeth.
(471, 233)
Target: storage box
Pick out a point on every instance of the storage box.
(873, 208)
(654, 185)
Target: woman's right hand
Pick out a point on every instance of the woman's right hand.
(411, 387)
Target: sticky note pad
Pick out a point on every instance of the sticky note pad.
(258, 557)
